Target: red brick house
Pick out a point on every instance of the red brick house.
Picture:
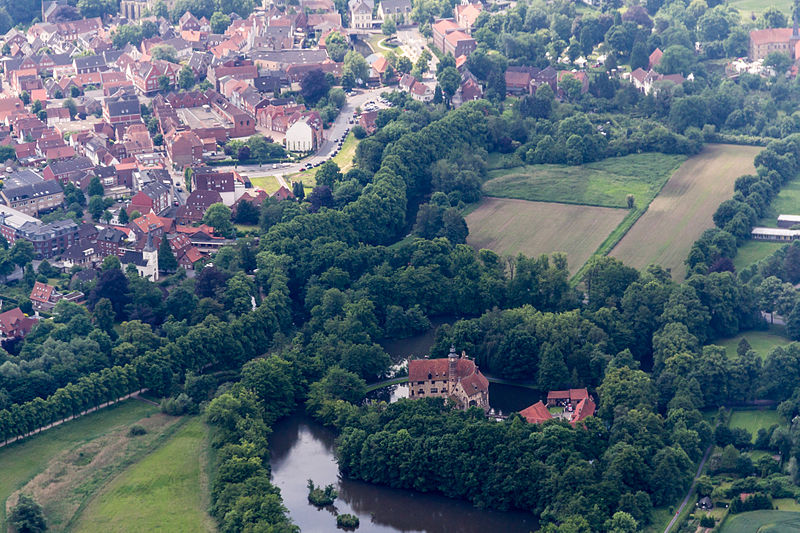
(184, 149)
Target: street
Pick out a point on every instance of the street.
(337, 130)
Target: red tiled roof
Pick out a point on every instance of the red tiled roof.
(471, 378)
(42, 292)
(770, 35)
(536, 413)
(585, 409)
(655, 57)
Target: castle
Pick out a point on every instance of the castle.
(456, 377)
(783, 40)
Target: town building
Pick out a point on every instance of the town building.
(360, 13)
(572, 405)
(30, 193)
(456, 378)
(783, 40)
(15, 325)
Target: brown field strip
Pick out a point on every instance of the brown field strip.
(684, 208)
(511, 227)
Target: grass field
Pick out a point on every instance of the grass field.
(753, 420)
(748, 7)
(787, 203)
(74, 476)
(684, 207)
(753, 252)
(510, 227)
(165, 491)
(268, 184)
(761, 341)
(20, 462)
(604, 183)
(762, 522)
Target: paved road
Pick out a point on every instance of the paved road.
(326, 151)
(691, 490)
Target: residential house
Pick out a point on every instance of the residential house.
(399, 10)
(122, 109)
(451, 38)
(15, 325)
(68, 170)
(44, 297)
(196, 205)
(467, 13)
(206, 179)
(110, 241)
(184, 148)
(154, 197)
(360, 13)
(305, 134)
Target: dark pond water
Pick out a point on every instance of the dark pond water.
(417, 345)
(303, 449)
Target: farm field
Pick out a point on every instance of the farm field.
(753, 252)
(766, 521)
(787, 202)
(604, 183)
(165, 491)
(684, 207)
(753, 420)
(748, 7)
(762, 342)
(511, 227)
(20, 462)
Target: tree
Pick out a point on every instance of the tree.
(631, 201)
(166, 257)
(404, 65)
(220, 22)
(314, 86)
(164, 83)
(96, 8)
(389, 26)
(27, 516)
(104, 315)
(449, 80)
(337, 46)
(676, 59)
(778, 61)
(186, 78)
(95, 187)
(21, 253)
(639, 56)
(69, 103)
(772, 17)
(218, 216)
(328, 174)
(96, 207)
(356, 65)
(122, 217)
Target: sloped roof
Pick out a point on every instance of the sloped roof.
(536, 413)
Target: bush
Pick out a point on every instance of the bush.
(136, 430)
(321, 497)
(27, 516)
(347, 521)
(359, 132)
(180, 405)
(707, 521)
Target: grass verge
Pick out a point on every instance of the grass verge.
(762, 342)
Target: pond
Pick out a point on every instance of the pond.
(418, 345)
(303, 449)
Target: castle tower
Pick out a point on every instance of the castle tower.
(452, 376)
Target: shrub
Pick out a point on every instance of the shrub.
(180, 405)
(707, 521)
(27, 516)
(136, 430)
(321, 497)
(347, 521)
(359, 132)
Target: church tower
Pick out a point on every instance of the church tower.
(150, 257)
(452, 375)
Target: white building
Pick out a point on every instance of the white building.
(300, 137)
(361, 13)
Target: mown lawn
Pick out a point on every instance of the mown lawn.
(344, 159)
(753, 420)
(268, 184)
(786, 203)
(604, 183)
(772, 521)
(753, 252)
(762, 342)
(165, 491)
(19, 462)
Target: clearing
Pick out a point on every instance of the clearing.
(164, 491)
(754, 251)
(74, 476)
(786, 203)
(511, 227)
(762, 342)
(605, 183)
(753, 420)
(762, 521)
(20, 462)
(684, 208)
